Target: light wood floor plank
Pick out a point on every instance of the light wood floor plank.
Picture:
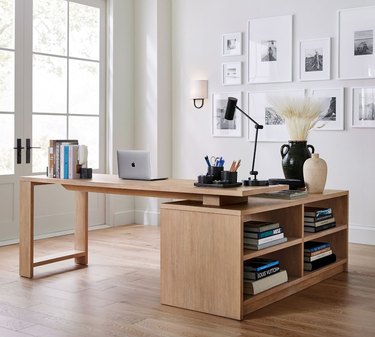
(118, 294)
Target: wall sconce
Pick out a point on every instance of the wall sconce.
(198, 92)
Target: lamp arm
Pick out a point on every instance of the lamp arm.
(247, 116)
(254, 153)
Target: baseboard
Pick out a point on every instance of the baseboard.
(147, 217)
(362, 234)
(123, 218)
(51, 235)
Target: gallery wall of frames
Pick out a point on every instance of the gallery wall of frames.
(269, 48)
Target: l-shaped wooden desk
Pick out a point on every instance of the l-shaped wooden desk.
(201, 238)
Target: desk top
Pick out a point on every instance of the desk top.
(170, 188)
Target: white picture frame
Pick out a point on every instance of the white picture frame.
(232, 73)
(363, 107)
(220, 126)
(274, 128)
(270, 42)
(356, 33)
(315, 59)
(333, 105)
(231, 44)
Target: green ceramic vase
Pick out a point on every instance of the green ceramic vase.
(293, 156)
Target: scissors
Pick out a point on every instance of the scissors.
(217, 161)
(214, 160)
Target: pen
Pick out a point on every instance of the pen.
(207, 161)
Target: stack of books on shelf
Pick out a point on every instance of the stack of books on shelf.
(317, 254)
(262, 234)
(66, 158)
(261, 274)
(318, 219)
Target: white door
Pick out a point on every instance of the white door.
(52, 59)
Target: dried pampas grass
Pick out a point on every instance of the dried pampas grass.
(300, 114)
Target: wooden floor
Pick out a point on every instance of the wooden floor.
(118, 295)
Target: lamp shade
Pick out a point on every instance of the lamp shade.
(198, 89)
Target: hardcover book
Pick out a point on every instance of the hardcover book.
(314, 219)
(287, 194)
(317, 252)
(321, 222)
(258, 286)
(313, 246)
(310, 266)
(263, 240)
(257, 275)
(259, 226)
(317, 257)
(311, 229)
(260, 235)
(317, 211)
(265, 245)
(258, 264)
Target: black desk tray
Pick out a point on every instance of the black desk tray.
(221, 185)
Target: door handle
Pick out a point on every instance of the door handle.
(28, 150)
(19, 149)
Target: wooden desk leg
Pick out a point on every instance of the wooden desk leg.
(26, 257)
(81, 226)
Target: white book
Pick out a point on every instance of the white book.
(265, 245)
(73, 161)
(263, 240)
(258, 286)
(318, 256)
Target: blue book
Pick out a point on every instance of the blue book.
(261, 235)
(313, 246)
(258, 264)
(66, 162)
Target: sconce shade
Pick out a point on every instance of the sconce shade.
(198, 89)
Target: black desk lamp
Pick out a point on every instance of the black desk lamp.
(229, 114)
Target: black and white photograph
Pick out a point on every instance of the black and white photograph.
(232, 44)
(366, 107)
(363, 114)
(332, 115)
(261, 110)
(314, 59)
(220, 126)
(356, 57)
(269, 51)
(363, 42)
(272, 118)
(329, 114)
(232, 73)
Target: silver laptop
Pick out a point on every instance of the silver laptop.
(134, 164)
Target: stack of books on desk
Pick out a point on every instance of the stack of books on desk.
(317, 254)
(261, 274)
(262, 234)
(318, 219)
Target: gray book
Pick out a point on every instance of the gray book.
(265, 245)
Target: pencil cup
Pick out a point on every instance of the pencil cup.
(215, 171)
(205, 179)
(229, 177)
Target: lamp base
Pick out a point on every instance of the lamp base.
(255, 182)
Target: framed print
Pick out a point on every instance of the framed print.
(270, 49)
(356, 58)
(363, 110)
(332, 117)
(315, 59)
(220, 126)
(232, 44)
(260, 109)
(232, 73)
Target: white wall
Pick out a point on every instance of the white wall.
(120, 103)
(197, 28)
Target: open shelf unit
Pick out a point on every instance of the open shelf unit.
(202, 256)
